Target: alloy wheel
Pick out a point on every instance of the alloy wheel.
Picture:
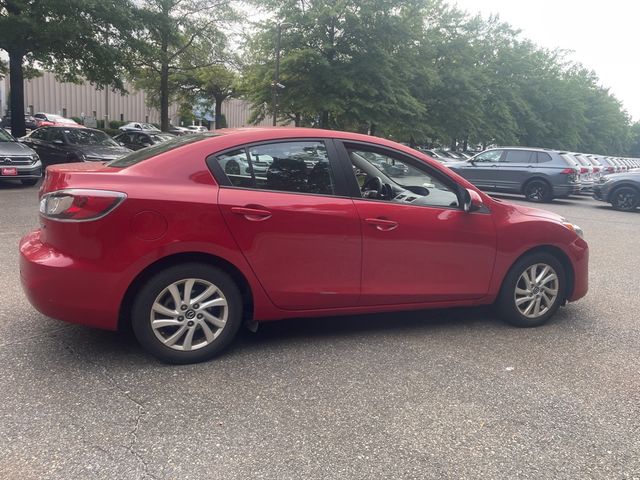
(536, 191)
(189, 314)
(536, 290)
(625, 199)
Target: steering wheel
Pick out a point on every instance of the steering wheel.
(372, 188)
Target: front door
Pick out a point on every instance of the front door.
(298, 231)
(482, 169)
(418, 243)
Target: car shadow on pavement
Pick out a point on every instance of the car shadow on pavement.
(555, 201)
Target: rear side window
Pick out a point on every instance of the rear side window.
(298, 166)
(543, 157)
(570, 159)
(518, 156)
(489, 156)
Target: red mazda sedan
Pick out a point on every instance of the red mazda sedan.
(188, 239)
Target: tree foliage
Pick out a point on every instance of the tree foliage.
(422, 70)
(76, 39)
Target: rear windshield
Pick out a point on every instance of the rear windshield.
(157, 149)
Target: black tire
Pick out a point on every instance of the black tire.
(538, 191)
(232, 168)
(152, 289)
(506, 302)
(29, 182)
(625, 199)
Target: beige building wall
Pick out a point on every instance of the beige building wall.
(46, 94)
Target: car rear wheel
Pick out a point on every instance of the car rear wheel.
(532, 291)
(187, 313)
(29, 182)
(538, 191)
(625, 199)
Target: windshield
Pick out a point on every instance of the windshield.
(157, 149)
(5, 137)
(81, 136)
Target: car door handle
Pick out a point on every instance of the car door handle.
(252, 214)
(382, 224)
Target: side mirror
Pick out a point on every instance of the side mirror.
(121, 144)
(146, 144)
(472, 201)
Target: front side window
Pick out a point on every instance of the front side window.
(81, 136)
(296, 166)
(385, 176)
(488, 156)
(55, 134)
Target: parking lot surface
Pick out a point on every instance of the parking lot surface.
(422, 395)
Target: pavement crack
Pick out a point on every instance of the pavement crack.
(141, 412)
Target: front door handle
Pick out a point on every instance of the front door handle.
(252, 214)
(382, 224)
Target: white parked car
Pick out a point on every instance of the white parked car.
(197, 128)
(143, 127)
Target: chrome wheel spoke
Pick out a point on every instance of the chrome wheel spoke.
(216, 302)
(540, 293)
(188, 287)
(549, 278)
(162, 310)
(520, 291)
(175, 294)
(170, 341)
(520, 301)
(540, 276)
(215, 321)
(212, 289)
(188, 339)
(170, 322)
(208, 333)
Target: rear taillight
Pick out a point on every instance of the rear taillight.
(79, 205)
(611, 169)
(584, 170)
(568, 171)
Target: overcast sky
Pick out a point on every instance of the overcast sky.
(602, 34)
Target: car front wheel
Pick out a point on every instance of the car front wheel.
(532, 291)
(625, 199)
(187, 313)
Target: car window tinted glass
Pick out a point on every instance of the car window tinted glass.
(237, 168)
(570, 159)
(38, 134)
(402, 181)
(301, 166)
(145, 154)
(55, 134)
(5, 137)
(490, 156)
(543, 157)
(517, 156)
(81, 136)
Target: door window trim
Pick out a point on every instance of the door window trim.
(341, 189)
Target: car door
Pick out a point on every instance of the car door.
(295, 224)
(56, 146)
(481, 170)
(514, 169)
(35, 140)
(418, 244)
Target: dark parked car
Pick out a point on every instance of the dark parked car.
(140, 127)
(29, 122)
(538, 174)
(137, 140)
(17, 161)
(64, 145)
(621, 190)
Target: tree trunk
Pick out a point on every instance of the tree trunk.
(297, 119)
(454, 144)
(218, 112)
(164, 97)
(16, 84)
(465, 145)
(324, 119)
(372, 129)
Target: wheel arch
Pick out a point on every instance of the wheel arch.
(562, 257)
(124, 316)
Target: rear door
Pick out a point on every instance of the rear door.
(514, 169)
(295, 223)
(482, 169)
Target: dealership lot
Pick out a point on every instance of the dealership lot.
(441, 394)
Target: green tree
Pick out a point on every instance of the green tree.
(76, 39)
(178, 36)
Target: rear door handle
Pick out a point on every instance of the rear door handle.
(382, 224)
(252, 214)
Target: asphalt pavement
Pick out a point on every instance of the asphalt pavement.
(423, 395)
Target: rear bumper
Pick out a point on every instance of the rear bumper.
(569, 189)
(64, 288)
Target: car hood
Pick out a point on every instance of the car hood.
(630, 175)
(14, 148)
(538, 212)
(102, 152)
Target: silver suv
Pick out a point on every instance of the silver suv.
(539, 174)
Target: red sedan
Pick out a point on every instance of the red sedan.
(188, 239)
